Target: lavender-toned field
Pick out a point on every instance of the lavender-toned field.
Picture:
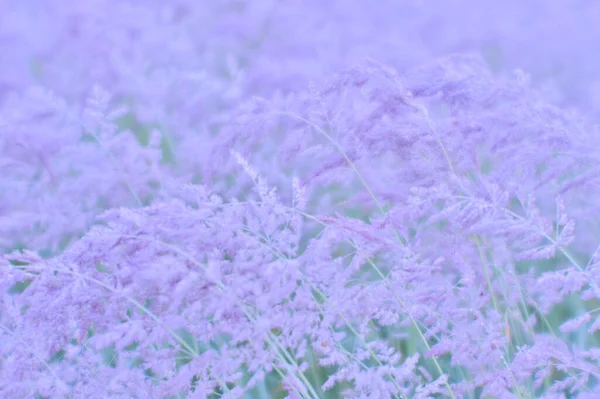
(312, 199)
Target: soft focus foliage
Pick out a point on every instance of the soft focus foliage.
(299, 199)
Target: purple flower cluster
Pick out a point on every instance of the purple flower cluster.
(299, 199)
